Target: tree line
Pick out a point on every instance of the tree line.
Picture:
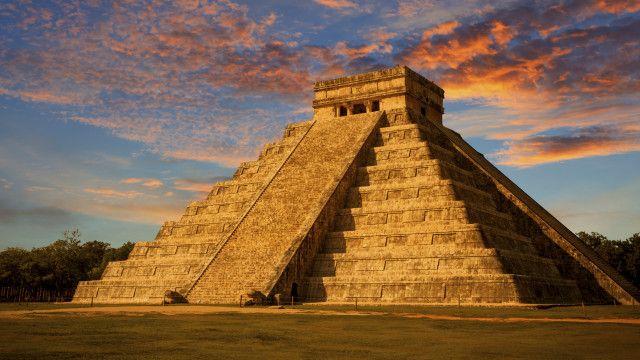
(622, 255)
(59, 266)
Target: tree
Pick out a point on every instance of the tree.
(622, 255)
(60, 265)
(12, 263)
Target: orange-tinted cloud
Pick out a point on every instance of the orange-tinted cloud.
(595, 141)
(336, 4)
(165, 74)
(617, 6)
(444, 28)
(149, 183)
(113, 193)
(45, 95)
(150, 70)
(539, 72)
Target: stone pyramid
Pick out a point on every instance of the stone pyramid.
(375, 200)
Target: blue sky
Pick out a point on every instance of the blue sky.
(114, 115)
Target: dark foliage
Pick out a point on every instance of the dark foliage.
(60, 265)
(622, 255)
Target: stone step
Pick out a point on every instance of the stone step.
(226, 196)
(397, 172)
(418, 188)
(409, 151)
(345, 241)
(402, 134)
(168, 248)
(177, 271)
(278, 150)
(188, 230)
(405, 260)
(398, 251)
(297, 130)
(409, 206)
(197, 238)
(159, 282)
(232, 186)
(185, 259)
(221, 208)
(430, 234)
(256, 168)
(203, 218)
(360, 218)
(143, 291)
(221, 201)
(481, 288)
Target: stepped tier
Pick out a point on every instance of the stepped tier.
(447, 289)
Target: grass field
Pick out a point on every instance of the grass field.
(383, 333)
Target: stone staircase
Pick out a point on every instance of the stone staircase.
(182, 248)
(417, 227)
(259, 249)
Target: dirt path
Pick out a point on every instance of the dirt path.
(201, 310)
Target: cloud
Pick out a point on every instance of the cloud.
(149, 183)
(39, 215)
(336, 4)
(506, 51)
(38, 188)
(135, 212)
(617, 6)
(113, 193)
(195, 185)
(538, 69)
(5, 184)
(54, 96)
(410, 15)
(175, 77)
(585, 142)
(190, 80)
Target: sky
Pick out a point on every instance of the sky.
(114, 115)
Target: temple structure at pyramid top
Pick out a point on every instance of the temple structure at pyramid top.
(372, 200)
(394, 88)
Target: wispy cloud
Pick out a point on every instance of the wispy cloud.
(5, 184)
(38, 188)
(172, 76)
(38, 215)
(584, 142)
(149, 183)
(177, 77)
(114, 193)
(337, 4)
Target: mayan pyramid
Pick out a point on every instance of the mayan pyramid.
(375, 200)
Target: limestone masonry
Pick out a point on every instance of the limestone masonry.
(375, 200)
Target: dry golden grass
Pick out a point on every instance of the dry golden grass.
(151, 335)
